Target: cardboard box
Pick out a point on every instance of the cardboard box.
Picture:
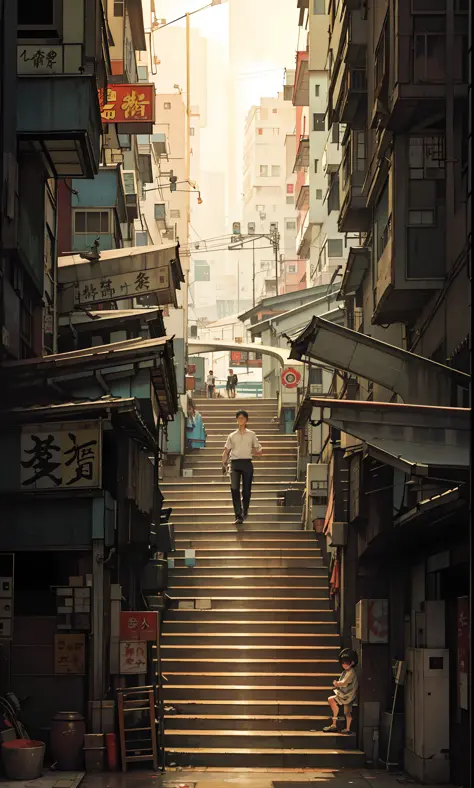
(66, 591)
(76, 582)
(89, 581)
(186, 604)
(203, 604)
(82, 593)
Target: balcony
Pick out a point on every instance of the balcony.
(417, 86)
(159, 144)
(301, 86)
(303, 239)
(289, 84)
(131, 194)
(302, 200)
(354, 47)
(60, 116)
(302, 155)
(354, 215)
(351, 101)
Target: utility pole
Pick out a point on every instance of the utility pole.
(253, 273)
(188, 193)
(275, 239)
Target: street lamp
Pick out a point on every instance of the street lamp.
(156, 27)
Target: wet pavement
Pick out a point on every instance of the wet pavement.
(250, 778)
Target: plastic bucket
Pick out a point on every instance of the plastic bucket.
(23, 759)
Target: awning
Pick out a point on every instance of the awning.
(126, 411)
(111, 319)
(415, 439)
(120, 273)
(142, 362)
(412, 377)
(302, 154)
(357, 264)
(301, 86)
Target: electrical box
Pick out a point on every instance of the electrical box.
(431, 625)
(338, 535)
(372, 621)
(427, 714)
(316, 491)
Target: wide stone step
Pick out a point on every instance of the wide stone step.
(244, 722)
(250, 638)
(283, 615)
(249, 580)
(210, 474)
(244, 691)
(259, 527)
(258, 679)
(244, 540)
(298, 707)
(244, 590)
(222, 601)
(250, 758)
(260, 652)
(246, 571)
(256, 561)
(239, 625)
(267, 739)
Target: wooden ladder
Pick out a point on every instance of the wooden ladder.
(137, 725)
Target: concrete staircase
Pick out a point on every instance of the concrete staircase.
(248, 680)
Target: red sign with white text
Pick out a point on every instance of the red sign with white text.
(128, 103)
(138, 625)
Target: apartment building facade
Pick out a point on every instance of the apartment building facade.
(269, 199)
(398, 79)
(319, 152)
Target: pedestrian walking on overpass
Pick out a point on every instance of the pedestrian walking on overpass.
(241, 446)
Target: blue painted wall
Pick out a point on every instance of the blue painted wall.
(98, 192)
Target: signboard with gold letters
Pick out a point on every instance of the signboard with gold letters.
(128, 103)
(61, 456)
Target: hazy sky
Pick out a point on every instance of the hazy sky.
(250, 42)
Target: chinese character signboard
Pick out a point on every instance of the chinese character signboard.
(70, 654)
(128, 104)
(40, 59)
(138, 625)
(111, 288)
(133, 657)
(61, 456)
(242, 358)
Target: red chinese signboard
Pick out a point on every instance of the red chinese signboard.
(128, 104)
(138, 625)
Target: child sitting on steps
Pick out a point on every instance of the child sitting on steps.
(345, 691)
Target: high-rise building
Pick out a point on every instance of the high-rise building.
(268, 199)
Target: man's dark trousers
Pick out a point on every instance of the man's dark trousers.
(241, 470)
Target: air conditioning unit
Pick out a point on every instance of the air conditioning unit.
(263, 216)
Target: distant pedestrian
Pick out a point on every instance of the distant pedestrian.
(345, 692)
(240, 447)
(211, 384)
(195, 430)
(231, 385)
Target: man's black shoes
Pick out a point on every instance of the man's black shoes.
(239, 520)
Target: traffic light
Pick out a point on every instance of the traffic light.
(173, 181)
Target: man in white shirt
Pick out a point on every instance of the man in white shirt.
(240, 447)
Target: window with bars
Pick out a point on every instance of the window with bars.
(318, 121)
(429, 57)
(335, 247)
(426, 157)
(264, 170)
(90, 222)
